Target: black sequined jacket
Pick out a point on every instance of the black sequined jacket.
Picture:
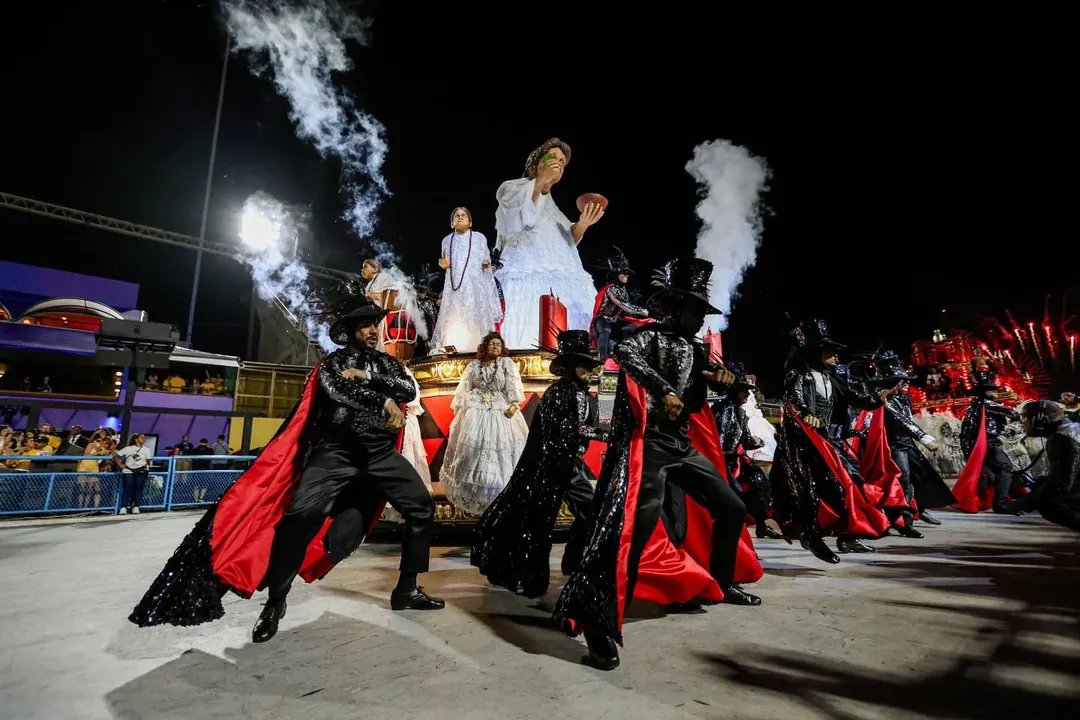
(734, 428)
(998, 416)
(512, 545)
(430, 311)
(900, 426)
(802, 393)
(664, 362)
(358, 408)
(616, 304)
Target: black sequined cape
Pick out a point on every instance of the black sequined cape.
(512, 542)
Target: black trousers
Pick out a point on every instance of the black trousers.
(607, 334)
(997, 472)
(672, 459)
(1062, 510)
(901, 455)
(579, 499)
(347, 480)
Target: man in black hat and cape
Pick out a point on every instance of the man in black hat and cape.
(312, 496)
(748, 479)
(817, 490)
(987, 477)
(663, 459)
(512, 545)
(922, 484)
(613, 314)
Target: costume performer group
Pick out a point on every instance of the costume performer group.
(312, 496)
(669, 527)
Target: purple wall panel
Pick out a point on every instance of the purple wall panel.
(44, 284)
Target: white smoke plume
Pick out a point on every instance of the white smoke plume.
(731, 182)
(304, 41)
(300, 44)
(268, 234)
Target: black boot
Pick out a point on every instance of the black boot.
(852, 545)
(603, 653)
(927, 518)
(764, 531)
(907, 531)
(415, 599)
(818, 547)
(266, 626)
(735, 595)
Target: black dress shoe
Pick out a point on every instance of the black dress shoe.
(927, 518)
(908, 532)
(415, 599)
(764, 531)
(820, 550)
(853, 545)
(266, 626)
(603, 653)
(735, 595)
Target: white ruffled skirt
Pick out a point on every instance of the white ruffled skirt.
(481, 453)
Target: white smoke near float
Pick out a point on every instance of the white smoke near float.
(304, 43)
(730, 184)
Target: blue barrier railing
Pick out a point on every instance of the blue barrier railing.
(52, 484)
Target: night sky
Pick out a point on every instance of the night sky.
(916, 181)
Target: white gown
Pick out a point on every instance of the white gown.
(470, 311)
(539, 256)
(484, 445)
(412, 447)
(760, 428)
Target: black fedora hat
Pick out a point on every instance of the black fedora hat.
(617, 263)
(815, 334)
(686, 279)
(888, 367)
(364, 311)
(574, 346)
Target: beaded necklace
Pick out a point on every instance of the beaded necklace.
(457, 286)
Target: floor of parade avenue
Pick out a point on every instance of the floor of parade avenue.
(977, 620)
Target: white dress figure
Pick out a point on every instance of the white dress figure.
(760, 428)
(469, 307)
(487, 434)
(412, 447)
(539, 249)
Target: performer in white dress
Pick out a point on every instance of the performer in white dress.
(412, 448)
(539, 248)
(760, 428)
(488, 433)
(470, 305)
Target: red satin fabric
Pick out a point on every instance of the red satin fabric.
(667, 574)
(861, 518)
(244, 523)
(881, 475)
(966, 491)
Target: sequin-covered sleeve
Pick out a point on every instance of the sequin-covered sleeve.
(349, 393)
(793, 392)
(622, 301)
(391, 381)
(969, 426)
(632, 356)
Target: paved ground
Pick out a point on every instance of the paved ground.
(977, 620)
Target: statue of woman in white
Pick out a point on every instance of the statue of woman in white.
(488, 433)
(470, 305)
(539, 248)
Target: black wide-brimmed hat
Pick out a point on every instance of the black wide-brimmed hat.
(888, 367)
(364, 311)
(424, 279)
(814, 334)
(617, 263)
(686, 279)
(742, 379)
(983, 379)
(574, 346)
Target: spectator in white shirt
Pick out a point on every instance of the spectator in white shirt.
(135, 461)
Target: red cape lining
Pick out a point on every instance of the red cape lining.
(966, 490)
(667, 574)
(863, 519)
(249, 512)
(881, 474)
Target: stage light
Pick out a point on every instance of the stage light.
(258, 231)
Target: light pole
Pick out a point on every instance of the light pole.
(206, 198)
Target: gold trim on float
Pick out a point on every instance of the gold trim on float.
(447, 514)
